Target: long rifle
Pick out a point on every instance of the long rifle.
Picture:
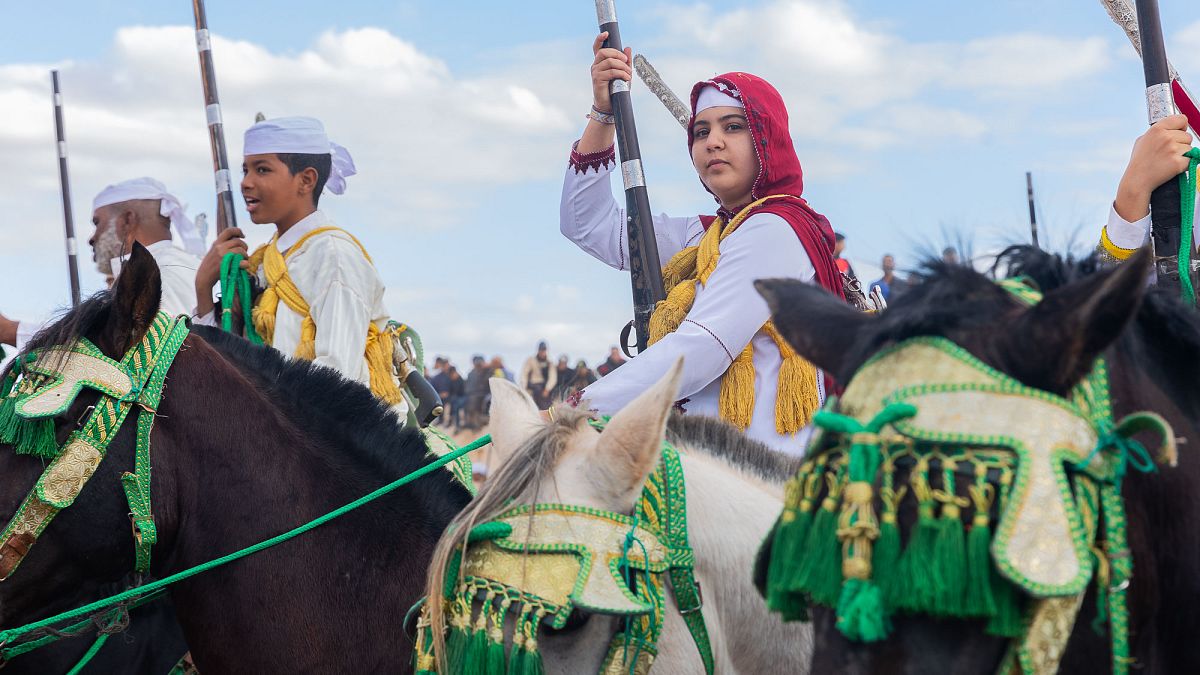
(64, 183)
(1164, 201)
(644, 267)
(1032, 212)
(216, 129)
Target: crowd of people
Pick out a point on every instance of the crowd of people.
(890, 283)
(466, 399)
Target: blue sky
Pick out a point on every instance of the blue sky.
(912, 119)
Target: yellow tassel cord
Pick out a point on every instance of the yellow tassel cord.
(379, 346)
(797, 397)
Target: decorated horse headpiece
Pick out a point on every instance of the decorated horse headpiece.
(1048, 466)
(536, 564)
(42, 387)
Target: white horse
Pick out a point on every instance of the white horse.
(734, 492)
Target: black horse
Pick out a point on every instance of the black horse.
(248, 444)
(1152, 344)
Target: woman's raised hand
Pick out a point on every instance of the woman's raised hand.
(609, 64)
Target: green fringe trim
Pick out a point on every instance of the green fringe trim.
(787, 552)
(821, 571)
(917, 586)
(1009, 619)
(861, 614)
(949, 563)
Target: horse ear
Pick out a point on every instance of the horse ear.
(818, 325)
(136, 296)
(631, 443)
(1054, 344)
(514, 419)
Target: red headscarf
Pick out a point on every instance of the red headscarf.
(779, 170)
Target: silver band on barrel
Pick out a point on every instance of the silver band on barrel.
(632, 174)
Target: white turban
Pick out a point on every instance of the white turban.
(148, 188)
(301, 135)
(711, 97)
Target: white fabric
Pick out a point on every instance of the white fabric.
(727, 314)
(711, 97)
(178, 270)
(301, 135)
(343, 291)
(1134, 235)
(25, 332)
(147, 188)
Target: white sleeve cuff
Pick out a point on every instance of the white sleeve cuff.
(1125, 234)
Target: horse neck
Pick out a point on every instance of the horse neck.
(729, 515)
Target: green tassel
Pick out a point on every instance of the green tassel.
(793, 544)
(35, 437)
(949, 555)
(533, 663)
(786, 553)
(822, 571)
(914, 588)
(1009, 619)
(495, 658)
(517, 657)
(476, 655)
(979, 601)
(885, 558)
(861, 614)
(456, 649)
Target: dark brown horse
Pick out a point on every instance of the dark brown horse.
(1152, 345)
(248, 444)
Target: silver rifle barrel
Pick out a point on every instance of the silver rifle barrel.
(216, 129)
(64, 183)
(644, 266)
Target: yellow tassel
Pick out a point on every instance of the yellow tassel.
(681, 266)
(379, 351)
(671, 312)
(307, 348)
(264, 315)
(737, 390)
(797, 397)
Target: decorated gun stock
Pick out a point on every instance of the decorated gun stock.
(216, 128)
(64, 183)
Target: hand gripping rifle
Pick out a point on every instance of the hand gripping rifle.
(644, 266)
(64, 183)
(216, 129)
(1145, 32)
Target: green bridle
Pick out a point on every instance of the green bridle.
(1052, 465)
(42, 388)
(536, 564)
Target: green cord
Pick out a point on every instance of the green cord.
(89, 654)
(235, 282)
(8, 636)
(1187, 207)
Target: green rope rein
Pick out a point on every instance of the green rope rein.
(235, 282)
(11, 634)
(1187, 207)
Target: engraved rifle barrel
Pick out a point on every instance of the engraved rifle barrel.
(644, 265)
(1164, 201)
(216, 128)
(64, 183)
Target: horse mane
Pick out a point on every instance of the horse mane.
(721, 440)
(323, 405)
(74, 324)
(1164, 338)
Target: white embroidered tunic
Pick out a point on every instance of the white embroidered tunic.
(728, 312)
(343, 291)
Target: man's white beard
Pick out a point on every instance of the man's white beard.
(108, 251)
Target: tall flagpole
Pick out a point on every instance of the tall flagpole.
(216, 129)
(64, 183)
(644, 266)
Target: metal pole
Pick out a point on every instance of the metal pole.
(216, 129)
(64, 182)
(1032, 212)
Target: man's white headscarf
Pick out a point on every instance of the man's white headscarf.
(301, 135)
(148, 188)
